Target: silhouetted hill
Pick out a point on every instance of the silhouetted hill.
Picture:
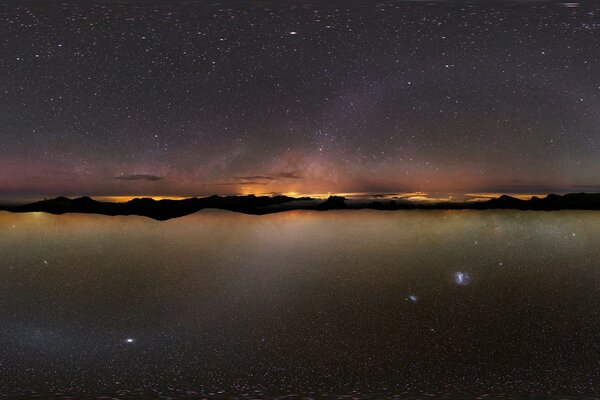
(572, 201)
(258, 205)
(332, 203)
(158, 209)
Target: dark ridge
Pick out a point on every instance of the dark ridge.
(157, 209)
(332, 203)
(259, 205)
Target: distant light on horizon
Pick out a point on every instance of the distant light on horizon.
(417, 197)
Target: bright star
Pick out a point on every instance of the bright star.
(129, 340)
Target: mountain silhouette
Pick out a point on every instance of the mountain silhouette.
(258, 205)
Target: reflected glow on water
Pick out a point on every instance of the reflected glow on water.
(362, 302)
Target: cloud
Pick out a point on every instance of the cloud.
(290, 175)
(241, 183)
(139, 177)
(254, 178)
(284, 175)
(259, 179)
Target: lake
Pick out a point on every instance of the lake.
(322, 304)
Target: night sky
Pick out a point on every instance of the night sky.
(120, 99)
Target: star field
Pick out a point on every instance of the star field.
(228, 98)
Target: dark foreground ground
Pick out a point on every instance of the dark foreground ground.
(363, 304)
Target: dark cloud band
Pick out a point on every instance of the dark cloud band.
(139, 177)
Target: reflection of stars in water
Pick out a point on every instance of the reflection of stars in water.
(462, 278)
(412, 297)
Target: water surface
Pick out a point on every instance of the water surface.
(367, 303)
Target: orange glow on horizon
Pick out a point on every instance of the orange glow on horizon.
(410, 196)
(487, 196)
(123, 199)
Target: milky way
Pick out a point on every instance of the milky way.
(197, 98)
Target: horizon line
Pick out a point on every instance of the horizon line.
(421, 196)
